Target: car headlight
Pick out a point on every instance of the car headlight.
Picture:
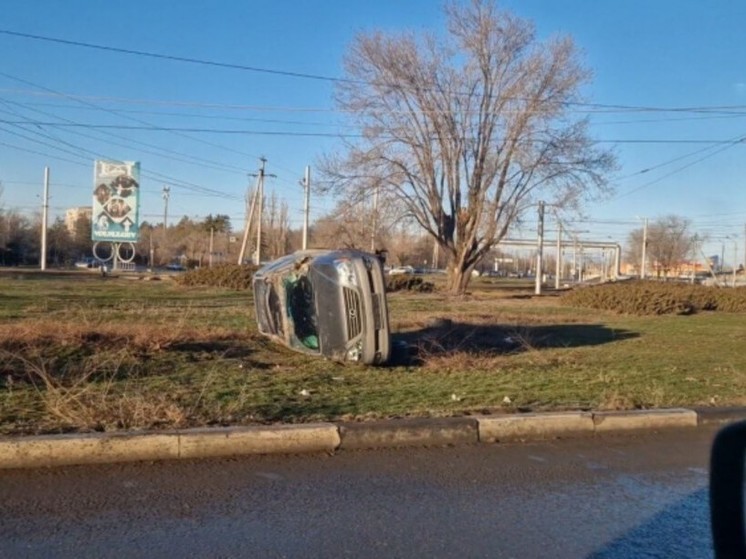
(345, 272)
(355, 353)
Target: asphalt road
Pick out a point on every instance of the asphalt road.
(616, 496)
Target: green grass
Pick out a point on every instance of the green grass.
(79, 352)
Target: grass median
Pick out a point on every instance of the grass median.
(80, 352)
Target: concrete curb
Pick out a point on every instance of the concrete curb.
(280, 439)
(706, 416)
(409, 432)
(97, 448)
(648, 419)
(534, 426)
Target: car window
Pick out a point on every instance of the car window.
(302, 312)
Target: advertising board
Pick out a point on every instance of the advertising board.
(116, 201)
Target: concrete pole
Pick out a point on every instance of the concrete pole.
(374, 228)
(558, 269)
(735, 259)
(44, 220)
(247, 227)
(539, 249)
(166, 196)
(617, 261)
(212, 237)
(150, 239)
(722, 257)
(575, 274)
(643, 265)
(260, 212)
(306, 200)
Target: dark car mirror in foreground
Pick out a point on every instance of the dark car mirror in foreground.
(330, 303)
(727, 492)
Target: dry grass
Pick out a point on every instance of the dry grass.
(107, 355)
(103, 335)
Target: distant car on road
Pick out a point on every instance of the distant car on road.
(88, 263)
(401, 270)
(330, 303)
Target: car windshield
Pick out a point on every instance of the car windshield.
(275, 310)
(301, 311)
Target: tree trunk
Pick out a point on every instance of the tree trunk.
(459, 276)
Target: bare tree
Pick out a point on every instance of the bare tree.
(670, 242)
(363, 220)
(468, 130)
(277, 227)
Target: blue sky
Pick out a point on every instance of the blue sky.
(658, 55)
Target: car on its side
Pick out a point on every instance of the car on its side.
(330, 303)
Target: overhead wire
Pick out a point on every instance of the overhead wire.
(716, 146)
(176, 156)
(601, 107)
(159, 176)
(114, 112)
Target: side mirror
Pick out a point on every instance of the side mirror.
(727, 492)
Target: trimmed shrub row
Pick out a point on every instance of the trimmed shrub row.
(408, 283)
(653, 298)
(231, 276)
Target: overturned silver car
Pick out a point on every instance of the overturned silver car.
(326, 302)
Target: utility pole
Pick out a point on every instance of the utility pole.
(575, 274)
(166, 195)
(374, 228)
(44, 220)
(306, 199)
(150, 239)
(735, 259)
(262, 174)
(722, 257)
(212, 236)
(247, 226)
(540, 249)
(558, 269)
(644, 249)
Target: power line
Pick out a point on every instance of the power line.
(175, 103)
(152, 128)
(201, 116)
(174, 58)
(160, 176)
(599, 107)
(183, 158)
(110, 111)
(682, 168)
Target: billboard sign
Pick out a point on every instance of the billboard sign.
(116, 201)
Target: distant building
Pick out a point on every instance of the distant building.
(72, 215)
